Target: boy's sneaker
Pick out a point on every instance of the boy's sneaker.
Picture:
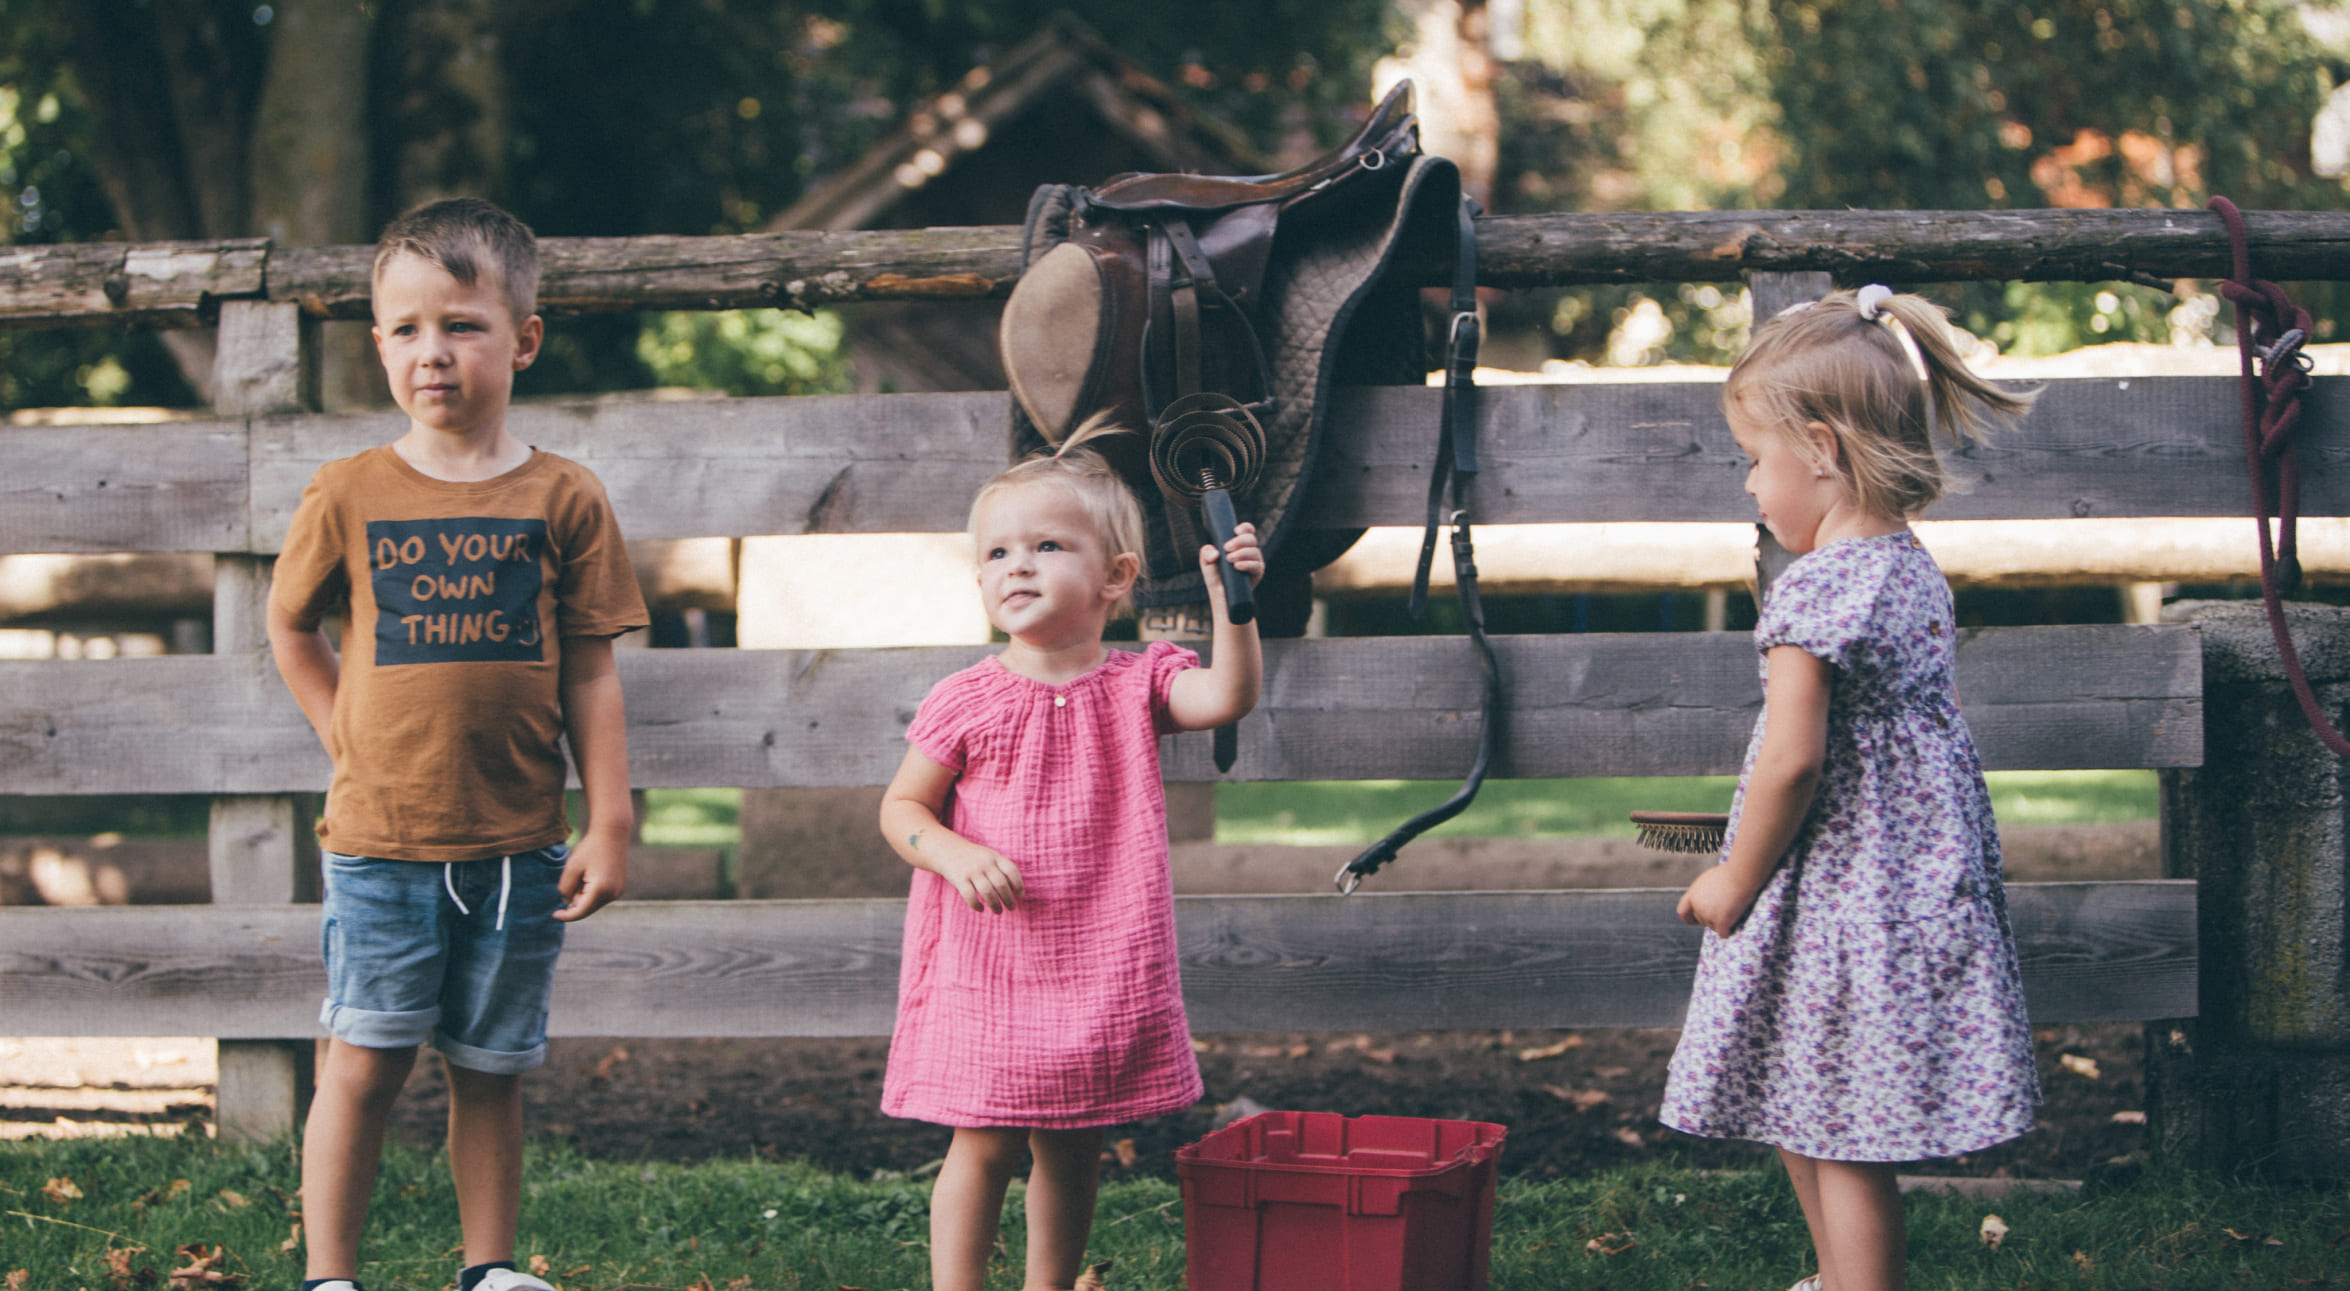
(334, 1284)
(512, 1280)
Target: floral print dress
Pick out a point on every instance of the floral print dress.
(1869, 1008)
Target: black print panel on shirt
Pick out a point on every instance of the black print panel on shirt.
(458, 590)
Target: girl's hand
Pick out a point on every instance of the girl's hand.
(1242, 551)
(987, 879)
(1717, 900)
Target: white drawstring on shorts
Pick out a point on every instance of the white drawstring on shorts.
(505, 888)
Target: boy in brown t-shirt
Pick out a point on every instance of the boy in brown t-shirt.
(483, 582)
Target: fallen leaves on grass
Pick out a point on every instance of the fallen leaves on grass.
(123, 1270)
(1994, 1231)
(1610, 1244)
(1583, 1099)
(203, 1268)
(2129, 1118)
(2079, 1065)
(172, 1191)
(293, 1243)
(233, 1199)
(61, 1190)
(1630, 1137)
(604, 1065)
(2081, 1261)
(1126, 1153)
(539, 1267)
(1091, 1279)
(2252, 1239)
(1536, 1053)
(18, 1279)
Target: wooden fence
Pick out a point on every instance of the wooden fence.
(1650, 704)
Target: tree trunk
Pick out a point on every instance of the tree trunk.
(310, 164)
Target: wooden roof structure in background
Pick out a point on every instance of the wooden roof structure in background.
(1012, 118)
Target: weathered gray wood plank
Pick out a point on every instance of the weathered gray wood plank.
(2149, 446)
(1401, 961)
(1344, 708)
(177, 486)
(172, 284)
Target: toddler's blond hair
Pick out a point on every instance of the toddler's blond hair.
(1824, 362)
(1110, 507)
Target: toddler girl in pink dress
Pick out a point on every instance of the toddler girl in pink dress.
(1039, 999)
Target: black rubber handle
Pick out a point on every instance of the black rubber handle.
(1240, 600)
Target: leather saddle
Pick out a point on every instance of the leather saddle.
(1153, 289)
(1217, 313)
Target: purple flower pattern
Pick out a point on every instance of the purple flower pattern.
(1870, 1008)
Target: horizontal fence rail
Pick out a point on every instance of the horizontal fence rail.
(2092, 447)
(2091, 952)
(182, 284)
(1618, 704)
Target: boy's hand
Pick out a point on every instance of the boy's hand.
(986, 879)
(594, 878)
(1716, 900)
(1242, 551)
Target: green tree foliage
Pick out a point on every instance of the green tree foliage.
(49, 193)
(632, 117)
(1918, 104)
(746, 351)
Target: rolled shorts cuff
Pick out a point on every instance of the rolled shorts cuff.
(374, 1029)
(490, 1061)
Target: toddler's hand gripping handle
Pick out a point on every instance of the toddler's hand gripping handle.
(1240, 600)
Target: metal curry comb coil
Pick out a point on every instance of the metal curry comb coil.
(1204, 447)
(1692, 833)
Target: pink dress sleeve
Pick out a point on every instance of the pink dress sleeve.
(942, 724)
(1167, 660)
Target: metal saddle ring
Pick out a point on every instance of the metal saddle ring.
(1205, 440)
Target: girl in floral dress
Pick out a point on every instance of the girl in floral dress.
(1039, 1000)
(1857, 1000)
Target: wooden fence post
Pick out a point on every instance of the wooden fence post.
(262, 848)
(2261, 1076)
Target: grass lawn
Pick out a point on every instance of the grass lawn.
(94, 1213)
(1360, 811)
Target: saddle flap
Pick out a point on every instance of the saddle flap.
(1053, 338)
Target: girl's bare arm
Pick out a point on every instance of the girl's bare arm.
(1201, 698)
(985, 878)
(1779, 790)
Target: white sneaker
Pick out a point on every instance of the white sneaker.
(512, 1280)
(338, 1284)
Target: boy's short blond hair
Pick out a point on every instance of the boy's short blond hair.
(1109, 506)
(465, 235)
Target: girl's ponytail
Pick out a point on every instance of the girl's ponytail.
(1964, 404)
(1837, 363)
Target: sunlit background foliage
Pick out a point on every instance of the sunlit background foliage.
(710, 116)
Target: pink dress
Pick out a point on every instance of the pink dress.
(1066, 1012)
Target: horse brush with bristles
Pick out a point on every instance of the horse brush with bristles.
(1689, 832)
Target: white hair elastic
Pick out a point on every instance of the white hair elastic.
(1868, 298)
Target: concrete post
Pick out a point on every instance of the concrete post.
(2261, 1077)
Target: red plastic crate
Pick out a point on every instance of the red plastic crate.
(1315, 1201)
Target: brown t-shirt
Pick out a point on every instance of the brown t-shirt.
(448, 715)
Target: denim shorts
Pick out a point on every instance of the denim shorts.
(461, 954)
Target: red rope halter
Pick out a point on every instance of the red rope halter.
(2270, 327)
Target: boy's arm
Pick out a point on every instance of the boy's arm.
(1779, 790)
(986, 879)
(1223, 692)
(307, 660)
(597, 724)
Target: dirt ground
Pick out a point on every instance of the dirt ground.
(1573, 1101)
